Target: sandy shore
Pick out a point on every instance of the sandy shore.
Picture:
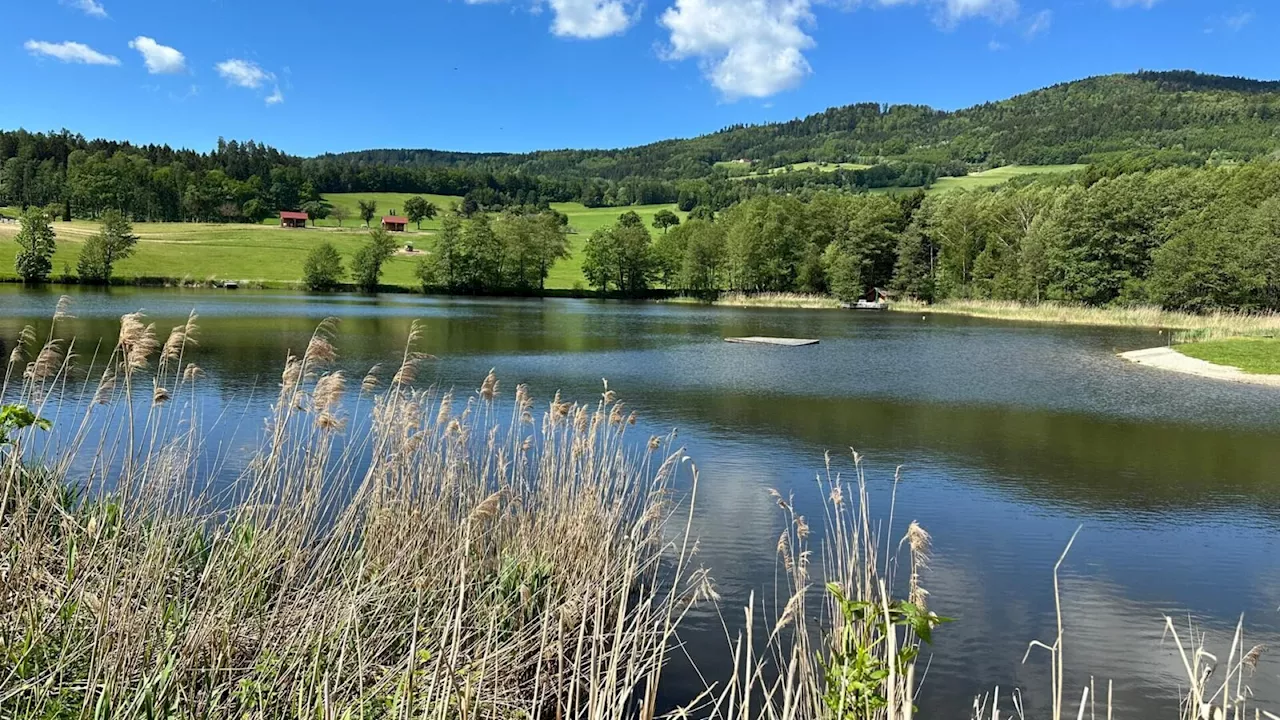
(1169, 359)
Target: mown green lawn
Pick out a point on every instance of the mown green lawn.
(272, 255)
(386, 202)
(1260, 356)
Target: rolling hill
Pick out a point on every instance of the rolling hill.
(1201, 115)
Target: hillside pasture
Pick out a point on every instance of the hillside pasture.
(385, 202)
(200, 252)
(738, 171)
(273, 256)
(997, 176)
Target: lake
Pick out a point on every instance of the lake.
(1009, 437)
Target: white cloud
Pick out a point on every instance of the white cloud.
(1040, 22)
(953, 11)
(244, 73)
(248, 74)
(948, 13)
(1236, 22)
(88, 7)
(749, 48)
(996, 46)
(1145, 4)
(160, 59)
(589, 19)
(70, 52)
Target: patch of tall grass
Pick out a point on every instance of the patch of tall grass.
(778, 300)
(451, 559)
(1191, 326)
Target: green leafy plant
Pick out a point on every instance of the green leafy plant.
(18, 417)
(858, 667)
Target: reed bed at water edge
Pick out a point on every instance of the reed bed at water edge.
(778, 300)
(1190, 326)
(474, 563)
(395, 552)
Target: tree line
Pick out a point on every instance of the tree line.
(1192, 238)
(1186, 238)
(512, 251)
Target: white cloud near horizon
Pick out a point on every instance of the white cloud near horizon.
(70, 52)
(92, 8)
(747, 48)
(248, 74)
(160, 59)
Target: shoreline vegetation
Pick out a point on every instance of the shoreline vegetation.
(1189, 327)
(393, 552)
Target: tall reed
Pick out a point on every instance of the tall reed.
(449, 558)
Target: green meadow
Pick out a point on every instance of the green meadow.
(739, 171)
(996, 176)
(273, 256)
(1259, 356)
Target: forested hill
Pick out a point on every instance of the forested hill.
(1204, 116)
(1115, 124)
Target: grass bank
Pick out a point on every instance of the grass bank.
(1257, 356)
(765, 300)
(1193, 326)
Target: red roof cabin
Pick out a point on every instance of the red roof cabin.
(394, 223)
(293, 219)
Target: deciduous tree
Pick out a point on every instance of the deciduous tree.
(114, 241)
(36, 243)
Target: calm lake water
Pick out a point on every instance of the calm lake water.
(1009, 437)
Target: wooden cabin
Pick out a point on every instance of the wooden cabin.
(293, 219)
(394, 223)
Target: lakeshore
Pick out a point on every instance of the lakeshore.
(1169, 358)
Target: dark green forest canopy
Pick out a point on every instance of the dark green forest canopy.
(1208, 115)
(1115, 123)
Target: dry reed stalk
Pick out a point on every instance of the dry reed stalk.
(445, 577)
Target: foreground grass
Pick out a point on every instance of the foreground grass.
(1258, 356)
(454, 557)
(270, 256)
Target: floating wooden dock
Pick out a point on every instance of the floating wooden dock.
(785, 342)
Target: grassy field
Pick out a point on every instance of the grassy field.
(996, 176)
(742, 171)
(271, 256)
(986, 178)
(386, 202)
(198, 251)
(1258, 356)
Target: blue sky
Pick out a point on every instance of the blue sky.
(321, 75)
